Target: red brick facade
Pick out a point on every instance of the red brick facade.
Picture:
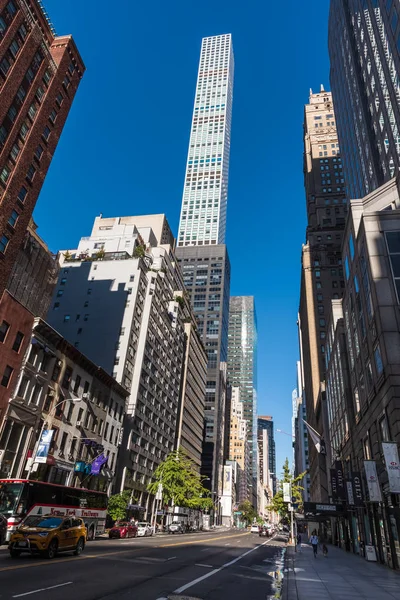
(20, 320)
(36, 70)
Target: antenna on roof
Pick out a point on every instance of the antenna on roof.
(322, 88)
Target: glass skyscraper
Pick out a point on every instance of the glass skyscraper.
(205, 195)
(242, 366)
(201, 250)
(364, 43)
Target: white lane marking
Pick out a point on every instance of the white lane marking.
(201, 565)
(227, 544)
(211, 573)
(171, 558)
(52, 587)
(205, 550)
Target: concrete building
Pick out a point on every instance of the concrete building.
(205, 195)
(49, 374)
(34, 274)
(206, 277)
(120, 300)
(242, 368)
(365, 75)
(39, 76)
(238, 445)
(190, 426)
(363, 373)
(267, 423)
(202, 227)
(322, 271)
(264, 478)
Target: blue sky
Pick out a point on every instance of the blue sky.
(123, 149)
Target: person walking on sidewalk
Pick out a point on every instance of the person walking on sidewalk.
(314, 543)
(298, 540)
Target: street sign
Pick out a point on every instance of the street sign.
(237, 513)
(329, 510)
(159, 492)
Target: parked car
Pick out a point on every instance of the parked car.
(123, 529)
(254, 528)
(48, 535)
(144, 529)
(176, 527)
(3, 530)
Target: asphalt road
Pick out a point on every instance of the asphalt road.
(209, 566)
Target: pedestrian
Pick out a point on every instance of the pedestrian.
(299, 541)
(314, 543)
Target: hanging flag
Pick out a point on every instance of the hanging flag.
(341, 489)
(316, 438)
(334, 484)
(350, 492)
(286, 492)
(357, 488)
(374, 489)
(391, 455)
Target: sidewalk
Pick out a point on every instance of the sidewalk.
(340, 576)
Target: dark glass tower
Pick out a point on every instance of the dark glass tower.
(242, 369)
(364, 42)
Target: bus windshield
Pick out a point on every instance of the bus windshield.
(10, 494)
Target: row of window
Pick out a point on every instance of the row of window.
(6, 17)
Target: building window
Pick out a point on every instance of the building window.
(46, 133)
(5, 174)
(18, 341)
(4, 241)
(39, 152)
(67, 378)
(53, 116)
(378, 360)
(7, 376)
(31, 173)
(13, 218)
(4, 327)
(67, 318)
(22, 194)
(60, 99)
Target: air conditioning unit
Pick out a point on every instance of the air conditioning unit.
(70, 457)
(79, 423)
(61, 454)
(86, 395)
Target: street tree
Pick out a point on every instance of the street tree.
(118, 505)
(248, 511)
(181, 484)
(278, 505)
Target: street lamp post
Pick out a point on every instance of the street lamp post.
(43, 428)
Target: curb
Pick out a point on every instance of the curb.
(289, 590)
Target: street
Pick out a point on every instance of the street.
(209, 565)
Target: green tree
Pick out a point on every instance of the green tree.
(278, 505)
(248, 511)
(118, 505)
(139, 251)
(180, 482)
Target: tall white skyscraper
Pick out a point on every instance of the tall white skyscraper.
(203, 212)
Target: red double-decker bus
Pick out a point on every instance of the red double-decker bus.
(22, 497)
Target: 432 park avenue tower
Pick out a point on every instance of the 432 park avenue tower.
(201, 246)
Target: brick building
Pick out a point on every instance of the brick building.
(39, 76)
(15, 331)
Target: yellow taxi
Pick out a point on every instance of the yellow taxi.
(48, 535)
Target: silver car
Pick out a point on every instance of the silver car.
(144, 529)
